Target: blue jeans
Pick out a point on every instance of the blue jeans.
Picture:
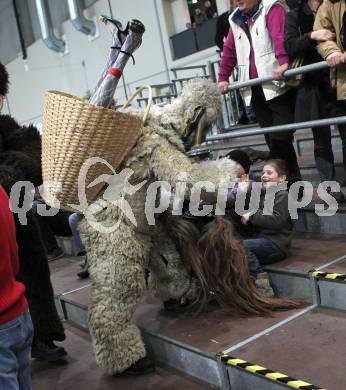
(72, 220)
(15, 349)
(261, 251)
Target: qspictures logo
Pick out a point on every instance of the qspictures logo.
(161, 195)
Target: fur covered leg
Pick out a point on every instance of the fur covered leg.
(116, 266)
(168, 276)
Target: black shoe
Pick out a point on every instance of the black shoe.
(47, 351)
(143, 366)
(174, 304)
(84, 273)
(55, 254)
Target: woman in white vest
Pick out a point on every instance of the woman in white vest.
(255, 45)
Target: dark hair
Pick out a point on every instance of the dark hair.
(241, 157)
(278, 165)
(3, 80)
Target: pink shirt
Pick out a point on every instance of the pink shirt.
(275, 21)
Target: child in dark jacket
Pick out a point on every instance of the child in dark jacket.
(272, 241)
(272, 232)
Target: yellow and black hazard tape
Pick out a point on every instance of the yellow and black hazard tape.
(326, 275)
(269, 374)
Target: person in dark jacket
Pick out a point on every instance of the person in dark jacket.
(210, 9)
(20, 160)
(272, 238)
(315, 96)
(222, 26)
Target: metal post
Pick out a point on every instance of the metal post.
(211, 69)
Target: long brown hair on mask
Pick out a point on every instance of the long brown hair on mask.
(220, 264)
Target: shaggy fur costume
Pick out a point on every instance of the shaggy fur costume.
(20, 159)
(117, 260)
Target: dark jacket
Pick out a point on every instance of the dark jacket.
(222, 28)
(315, 96)
(20, 160)
(20, 152)
(276, 227)
(299, 22)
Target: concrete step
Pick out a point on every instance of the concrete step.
(295, 276)
(196, 344)
(66, 244)
(306, 353)
(79, 371)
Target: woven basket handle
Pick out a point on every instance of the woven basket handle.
(150, 100)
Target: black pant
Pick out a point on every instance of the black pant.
(323, 153)
(51, 226)
(341, 110)
(278, 111)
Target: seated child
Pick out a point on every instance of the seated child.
(272, 239)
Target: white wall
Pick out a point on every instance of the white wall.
(180, 14)
(49, 70)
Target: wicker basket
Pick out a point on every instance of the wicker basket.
(75, 131)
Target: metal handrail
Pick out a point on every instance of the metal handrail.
(278, 129)
(203, 67)
(288, 73)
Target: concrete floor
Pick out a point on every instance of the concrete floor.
(80, 372)
(310, 347)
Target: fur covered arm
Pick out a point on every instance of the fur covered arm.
(170, 164)
(25, 167)
(8, 177)
(21, 147)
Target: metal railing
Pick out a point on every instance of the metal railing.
(234, 87)
(287, 74)
(232, 105)
(277, 129)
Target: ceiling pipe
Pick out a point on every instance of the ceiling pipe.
(47, 31)
(78, 20)
(20, 31)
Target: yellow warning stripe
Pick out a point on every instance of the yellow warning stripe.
(275, 375)
(272, 375)
(325, 275)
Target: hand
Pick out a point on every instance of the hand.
(245, 218)
(278, 72)
(343, 59)
(243, 186)
(323, 35)
(334, 59)
(244, 177)
(223, 85)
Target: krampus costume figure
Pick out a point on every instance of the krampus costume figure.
(20, 160)
(118, 259)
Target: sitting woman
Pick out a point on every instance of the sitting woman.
(271, 231)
